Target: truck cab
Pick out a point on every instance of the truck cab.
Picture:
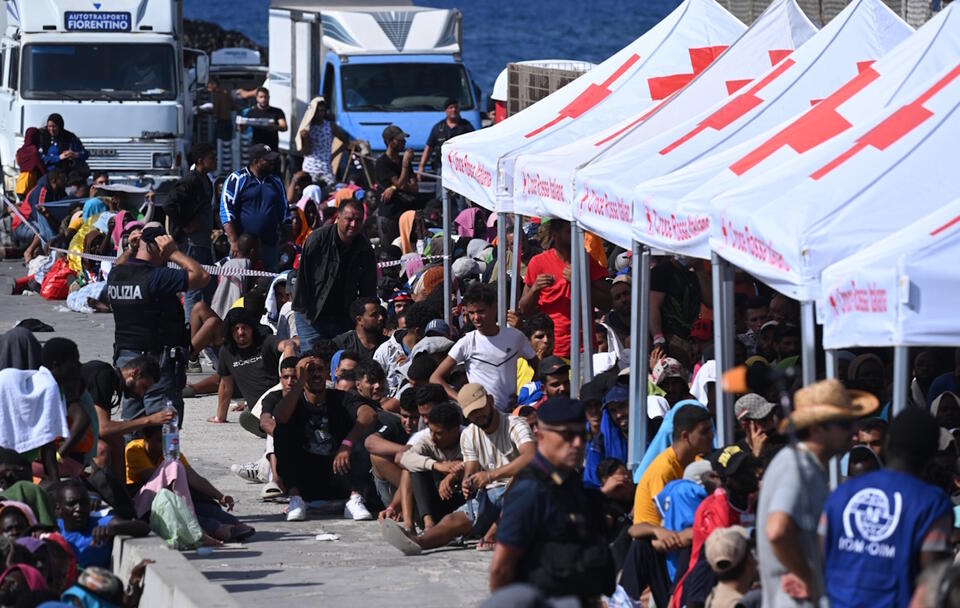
(113, 69)
(375, 65)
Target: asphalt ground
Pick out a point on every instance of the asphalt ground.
(282, 564)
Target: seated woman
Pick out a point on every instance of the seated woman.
(16, 519)
(147, 473)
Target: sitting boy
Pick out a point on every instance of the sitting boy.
(91, 538)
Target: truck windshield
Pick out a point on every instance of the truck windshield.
(98, 71)
(404, 87)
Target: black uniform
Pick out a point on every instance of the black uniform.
(559, 526)
(149, 320)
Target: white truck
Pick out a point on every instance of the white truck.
(376, 64)
(114, 69)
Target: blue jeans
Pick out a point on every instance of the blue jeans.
(22, 235)
(203, 255)
(325, 328)
(169, 386)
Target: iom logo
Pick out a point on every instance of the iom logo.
(869, 510)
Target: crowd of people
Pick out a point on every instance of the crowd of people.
(318, 311)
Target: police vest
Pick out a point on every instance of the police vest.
(144, 321)
(572, 558)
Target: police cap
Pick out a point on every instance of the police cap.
(560, 410)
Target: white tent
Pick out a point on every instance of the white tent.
(479, 165)
(863, 184)
(900, 291)
(686, 193)
(544, 178)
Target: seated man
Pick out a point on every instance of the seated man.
(367, 334)
(314, 438)
(108, 386)
(435, 464)
(386, 446)
(611, 441)
(495, 447)
(144, 459)
(249, 359)
(645, 564)
(91, 538)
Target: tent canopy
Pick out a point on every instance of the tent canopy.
(900, 291)
(479, 165)
(772, 37)
(791, 148)
(863, 184)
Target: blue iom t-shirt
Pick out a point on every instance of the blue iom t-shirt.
(874, 527)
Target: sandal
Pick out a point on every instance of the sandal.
(486, 545)
(215, 420)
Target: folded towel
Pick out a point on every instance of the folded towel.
(32, 409)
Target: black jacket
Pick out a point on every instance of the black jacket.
(190, 199)
(330, 270)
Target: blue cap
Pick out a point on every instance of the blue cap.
(437, 327)
(618, 393)
(560, 410)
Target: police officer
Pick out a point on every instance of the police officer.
(149, 318)
(551, 531)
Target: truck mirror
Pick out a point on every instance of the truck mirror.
(203, 69)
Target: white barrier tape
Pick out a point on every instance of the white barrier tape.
(216, 270)
(220, 270)
(24, 220)
(426, 258)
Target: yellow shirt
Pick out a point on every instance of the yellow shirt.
(525, 373)
(664, 469)
(139, 461)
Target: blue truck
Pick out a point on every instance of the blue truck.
(389, 63)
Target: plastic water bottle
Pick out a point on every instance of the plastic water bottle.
(171, 436)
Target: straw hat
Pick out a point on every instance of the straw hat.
(828, 400)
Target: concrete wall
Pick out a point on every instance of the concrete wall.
(172, 580)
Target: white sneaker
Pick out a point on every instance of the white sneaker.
(250, 471)
(355, 509)
(297, 511)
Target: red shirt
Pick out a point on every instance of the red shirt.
(714, 512)
(554, 300)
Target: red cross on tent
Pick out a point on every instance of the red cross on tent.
(662, 86)
(894, 127)
(588, 98)
(819, 124)
(734, 109)
(732, 86)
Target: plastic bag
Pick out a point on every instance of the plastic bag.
(172, 520)
(56, 283)
(76, 243)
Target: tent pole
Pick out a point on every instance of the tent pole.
(728, 288)
(808, 353)
(723, 323)
(515, 263)
(447, 277)
(586, 307)
(830, 361)
(501, 271)
(900, 375)
(575, 312)
(639, 352)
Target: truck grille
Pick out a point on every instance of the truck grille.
(127, 156)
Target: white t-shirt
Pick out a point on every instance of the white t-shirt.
(497, 449)
(492, 361)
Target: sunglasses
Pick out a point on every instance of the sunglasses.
(567, 434)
